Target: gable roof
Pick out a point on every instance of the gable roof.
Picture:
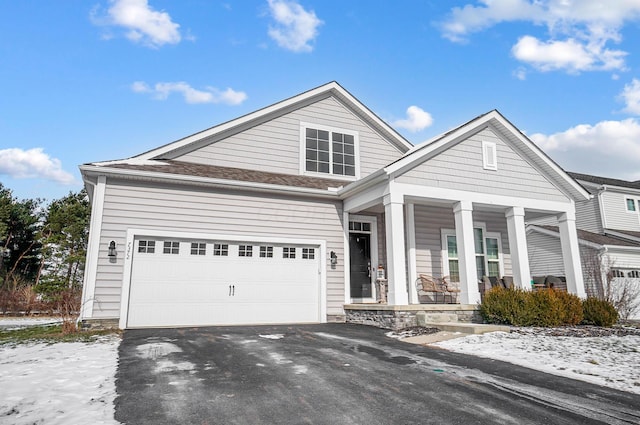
(197, 140)
(593, 239)
(494, 119)
(605, 180)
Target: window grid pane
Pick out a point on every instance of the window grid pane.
(198, 248)
(288, 252)
(452, 247)
(221, 249)
(492, 248)
(317, 150)
(266, 252)
(245, 251)
(454, 271)
(148, 247)
(171, 247)
(631, 204)
(308, 253)
(478, 241)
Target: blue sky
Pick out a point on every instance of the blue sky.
(85, 81)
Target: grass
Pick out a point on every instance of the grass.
(49, 334)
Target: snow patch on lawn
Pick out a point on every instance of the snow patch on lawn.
(610, 361)
(9, 324)
(63, 383)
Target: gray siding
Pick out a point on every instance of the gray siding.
(588, 216)
(430, 220)
(545, 254)
(461, 167)
(616, 213)
(175, 208)
(275, 146)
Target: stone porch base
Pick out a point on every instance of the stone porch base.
(99, 324)
(397, 317)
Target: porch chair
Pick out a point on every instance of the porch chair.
(426, 284)
(453, 289)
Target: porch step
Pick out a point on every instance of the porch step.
(467, 328)
(422, 318)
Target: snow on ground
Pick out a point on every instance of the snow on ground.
(62, 383)
(9, 324)
(611, 361)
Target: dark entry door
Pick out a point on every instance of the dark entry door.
(360, 263)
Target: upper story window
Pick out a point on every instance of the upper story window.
(631, 204)
(329, 151)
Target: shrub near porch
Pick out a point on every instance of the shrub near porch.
(519, 307)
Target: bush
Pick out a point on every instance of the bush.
(519, 307)
(599, 312)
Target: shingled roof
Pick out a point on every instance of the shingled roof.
(229, 173)
(605, 180)
(595, 237)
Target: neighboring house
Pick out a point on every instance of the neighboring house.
(284, 214)
(609, 234)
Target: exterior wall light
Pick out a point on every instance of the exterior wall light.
(334, 258)
(112, 249)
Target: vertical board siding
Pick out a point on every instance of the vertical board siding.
(275, 145)
(175, 209)
(588, 216)
(430, 220)
(616, 212)
(545, 254)
(461, 167)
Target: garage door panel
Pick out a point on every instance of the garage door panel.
(181, 289)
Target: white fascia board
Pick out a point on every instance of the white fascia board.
(326, 88)
(621, 189)
(534, 228)
(619, 249)
(206, 181)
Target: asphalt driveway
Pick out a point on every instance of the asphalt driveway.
(339, 374)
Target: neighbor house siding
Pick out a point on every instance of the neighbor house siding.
(461, 167)
(617, 216)
(429, 222)
(275, 145)
(199, 210)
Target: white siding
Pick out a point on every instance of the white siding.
(461, 167)
(545, 254)
(430, 220)
(275, 145)
(177, 208)
(617, 216)
(588, 216)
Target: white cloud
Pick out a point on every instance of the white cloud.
(161, 91)
(610, 148)
(144, 24)
(294, 28)
(33, 163)
(417, 119)
(631, 96)
(579, 30)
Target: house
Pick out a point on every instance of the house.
(285, 214)
(608, 231)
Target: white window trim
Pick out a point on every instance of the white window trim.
(303, 150)
(636, 204)
(444, 253)
(489, 156)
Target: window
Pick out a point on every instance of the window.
(357, 226)
(487, 253)
(171, 247)
(308, 253)
(634, 274)
(245, 251)
(617, 273)
(288, 252)
(148, 247)
(221, 249)
(266, 252)
(198, 248)
(329, 152)
(631, 204)
(489, 156)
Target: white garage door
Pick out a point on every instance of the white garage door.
(206, 282)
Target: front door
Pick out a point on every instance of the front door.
(360, 265)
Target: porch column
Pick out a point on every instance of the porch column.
(463, 212)
(571, 254)
(396, 267)
(518, 247)
(411, 254)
